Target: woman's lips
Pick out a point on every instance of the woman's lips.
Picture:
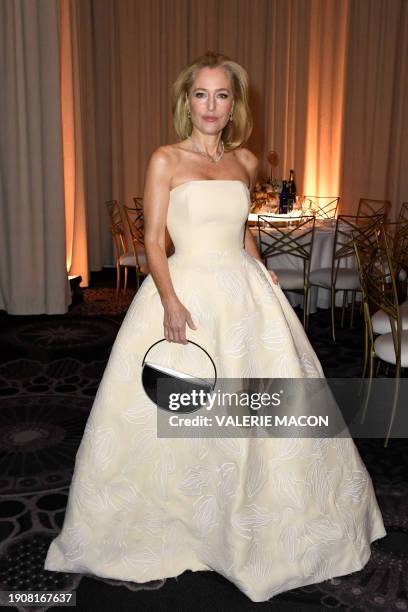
(210, 119)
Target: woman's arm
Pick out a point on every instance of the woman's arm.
(252, 165)
(155, 205)
(251, 245)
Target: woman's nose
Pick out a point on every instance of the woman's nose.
(211, 102)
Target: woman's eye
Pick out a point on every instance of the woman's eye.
(201, 94)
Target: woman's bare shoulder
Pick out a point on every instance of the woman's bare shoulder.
(164, 160)
(163, 154)
(165, 157)
(250, 162)
(247, 158)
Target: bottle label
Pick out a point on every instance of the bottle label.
(283, 207)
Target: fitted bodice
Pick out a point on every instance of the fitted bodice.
(208, 216)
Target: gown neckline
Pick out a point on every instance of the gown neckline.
(210, 181)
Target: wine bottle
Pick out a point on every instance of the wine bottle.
(283, 199)
(291, 190)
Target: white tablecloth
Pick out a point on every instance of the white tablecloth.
(321, 258)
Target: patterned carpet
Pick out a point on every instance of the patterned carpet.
(50, 368)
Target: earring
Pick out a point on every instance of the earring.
(230, 117)
(188, 114)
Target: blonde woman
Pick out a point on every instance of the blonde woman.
(269, 514)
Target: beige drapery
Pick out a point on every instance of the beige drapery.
(73, 118)
(279, 42)
(33, 276)
(94, 129)
(376, 111)
(327, 83)
(328, 93)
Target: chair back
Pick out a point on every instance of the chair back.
(277, 238)
(348, 227)
(401, 236)
(323, 207)
(138, 201)
(403, 213)
(397, 236)
(135, 221)
(368, 206)
(116, 227)
(401, 243)
(378, 280)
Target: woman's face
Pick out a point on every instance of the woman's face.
(211, 100)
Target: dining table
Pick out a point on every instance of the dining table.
(322, 254)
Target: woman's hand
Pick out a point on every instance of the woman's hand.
(175, 318)
(274, 277)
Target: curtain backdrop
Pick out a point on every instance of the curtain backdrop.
(327, 92)
(33, 275)
(73, 119)
(376, 113)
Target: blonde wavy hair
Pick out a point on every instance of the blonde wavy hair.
(237, 131)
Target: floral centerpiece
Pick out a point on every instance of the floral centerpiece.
(265, 198)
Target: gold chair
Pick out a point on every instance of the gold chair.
(368, 207)
(403, 213)
(117, 231)
(379, 290)
(397, 236)
(401, 244)
(380, 320)
(135, 222)
(337, 278)
(278, 238)
(138, 204)
(322, 207)
(401, 236)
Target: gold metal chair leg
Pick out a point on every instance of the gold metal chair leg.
(395, 401)
(365, 349)
(333, 299)
(365, 363)
(370, 383)
(126, 279)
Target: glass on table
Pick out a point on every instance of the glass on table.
(267, 206)
(309, 206)
(272, 204)
(297, 212)
(299, 205)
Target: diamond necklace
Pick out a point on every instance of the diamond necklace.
(214, 159)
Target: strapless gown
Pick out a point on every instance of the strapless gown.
(268, 514)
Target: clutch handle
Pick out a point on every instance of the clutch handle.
(191, 342)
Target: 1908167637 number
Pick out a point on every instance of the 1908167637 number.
(34, 598)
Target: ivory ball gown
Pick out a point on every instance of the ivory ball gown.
(268, 514)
